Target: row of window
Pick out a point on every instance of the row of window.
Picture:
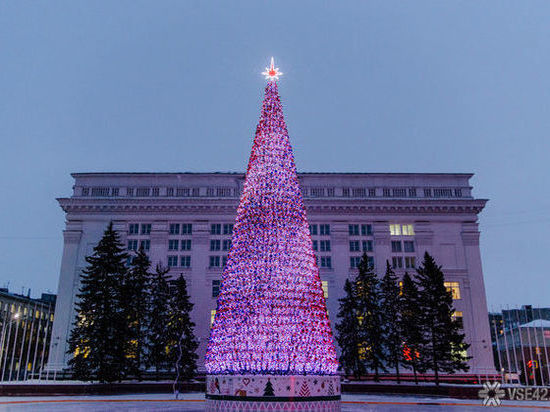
(400, 262)
(358, 246)
(366, 230)
(216, 229)
(143, 244)
(133, 228)
(184, 261)
(355, 260)
(314, 229)
(228, 191)
(325, 245)
(324, 230)
(408, 246)
(181, 228)
(175, 244)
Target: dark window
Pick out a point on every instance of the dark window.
(146, 229)
(215, 288)
(353, 230)
(366, 230)
(395, 246)
(354, 246)
(408, 246)
(216, 229)
(174, 228)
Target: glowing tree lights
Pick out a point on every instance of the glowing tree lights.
(271, 317)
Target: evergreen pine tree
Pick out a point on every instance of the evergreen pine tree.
(445, 347)
(181, 340)
(94, 342)
(370, 324)
(268, 390)
(411, 328)
(348, 336)
(135, 305)
(390, 305)
(157, 348)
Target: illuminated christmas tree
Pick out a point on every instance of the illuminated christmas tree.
(271, 317)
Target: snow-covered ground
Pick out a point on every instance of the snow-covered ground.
(195, 402)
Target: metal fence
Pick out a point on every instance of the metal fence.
(24, 339)
(521, 344)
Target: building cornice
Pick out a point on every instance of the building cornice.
(314, 206)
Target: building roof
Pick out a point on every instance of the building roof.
(537, 323)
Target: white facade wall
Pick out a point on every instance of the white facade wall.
(439, 206)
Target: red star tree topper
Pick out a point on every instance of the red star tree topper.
(271, 316)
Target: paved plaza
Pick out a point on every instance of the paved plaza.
(195, 402)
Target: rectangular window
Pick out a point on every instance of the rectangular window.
(359, 192)
(146, 229)
(427, 192)
(186, 244)
(133, 228)
(172, 261)
(224, 261)
(324, 230)
(407, 230)
(212, 316)
(313, 230)
(185, 261)
(174, 228)
(215, 288)
(325, 288)
(372, 192)
(170, 191)
(353, 230)
(458, 317)
(458, 192)
(114, 191)
(142, 191)
(173, 244)
(227, 228)
(454, 288)
(326, 262)
(315, 246)
(345, 191)
(412, 192)
(215, 244)
(395, 246)
(354, 261)
(214, 261)
(130, 191)
(397, 262)
(216, 229)
(210, 191)
(100, 191)
(85, 191)
(366, 230)
(408, 246)
(399, 192)
(156, 191)
(325, 245)
(386, 192)
(410, 262)
(317, 192)
(145, 244)
(226, 244)
(132, 244)
(330, 192)
(367, 246)
(354, 246)
(395, 230)
(186, 228)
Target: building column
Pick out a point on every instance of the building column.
(64, 307)
(339, 239)
(480, 336)
(202, 307)
(382, 245)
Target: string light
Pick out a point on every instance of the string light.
(271, 316)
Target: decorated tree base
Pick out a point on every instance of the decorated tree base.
(272, 392)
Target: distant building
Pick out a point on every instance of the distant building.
(26, 327)
(185, 221)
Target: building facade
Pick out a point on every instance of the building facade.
(26, 328)
(185, 220)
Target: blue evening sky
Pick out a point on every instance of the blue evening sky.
(378, 86)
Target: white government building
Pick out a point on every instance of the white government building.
(184, 220)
